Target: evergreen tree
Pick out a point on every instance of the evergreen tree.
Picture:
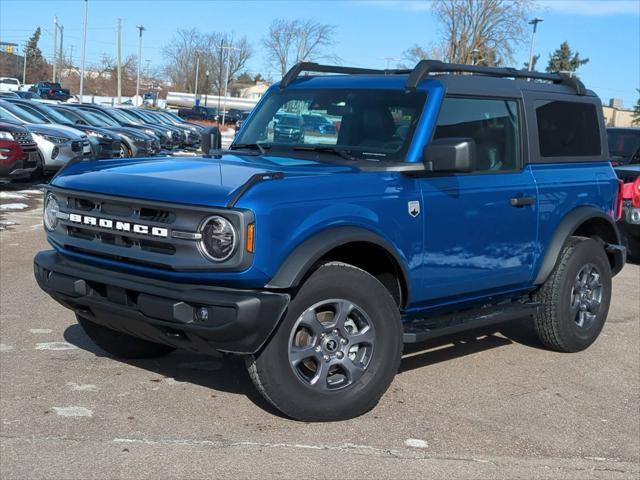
(534, 61)
(565, 60)
(636, 112)
(37, 66)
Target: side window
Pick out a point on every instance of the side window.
(493, 124)
(567, 129)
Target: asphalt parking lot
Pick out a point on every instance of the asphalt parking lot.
(488, 405)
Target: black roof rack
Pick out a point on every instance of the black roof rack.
(426, 67)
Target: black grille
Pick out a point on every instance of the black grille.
(76, 145)
(23, 138)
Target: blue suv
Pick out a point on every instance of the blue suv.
(445, 198)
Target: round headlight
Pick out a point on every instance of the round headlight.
(51, 209)
(219, 238)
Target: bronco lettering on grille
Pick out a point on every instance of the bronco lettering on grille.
(119, 226)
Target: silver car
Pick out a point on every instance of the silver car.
(59, 145)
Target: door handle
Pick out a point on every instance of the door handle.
(523, 201)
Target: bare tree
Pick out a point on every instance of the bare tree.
(294, 41)
(482, 32)
(189, 47)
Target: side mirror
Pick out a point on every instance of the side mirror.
(210, 139)
(450, 155)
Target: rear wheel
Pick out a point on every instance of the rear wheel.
(120, 344)
(337, 350)
(575, 298)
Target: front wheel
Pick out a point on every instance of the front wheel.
(575, 298)
(337, 349)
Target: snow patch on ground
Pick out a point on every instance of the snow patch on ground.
(14, 206)
(11, 195)
(73, 411)
(55, 346)
(416, 443)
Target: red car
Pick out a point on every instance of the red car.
(18, 152)
(629, 213)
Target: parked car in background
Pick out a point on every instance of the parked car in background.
(134, 143)
(125, 121)
(624, 145)
(9, 84)
(317, 124)
(194, 128)
(27, 95)
(190, 135)
(50, 91)
(18, 152)
(9, 95)
(288, 128)
(241, 119)
(57, 144)
(233, 115)
(199, 113)
(171, 137)
(629, 222)
(104, 144)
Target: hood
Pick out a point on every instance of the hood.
(54, 129)
(195, 180)
(128, 131)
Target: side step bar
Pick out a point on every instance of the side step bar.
(422, 329)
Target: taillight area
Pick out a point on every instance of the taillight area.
(631, 191)
(620, 200)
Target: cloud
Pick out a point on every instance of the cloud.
(591, 7)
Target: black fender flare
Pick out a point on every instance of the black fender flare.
(305, 255)
(565, 229)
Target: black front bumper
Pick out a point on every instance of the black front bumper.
(237, 321)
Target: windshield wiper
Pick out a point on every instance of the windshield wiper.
(335, 151)
(251, 146)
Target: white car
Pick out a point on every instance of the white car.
(9, 84)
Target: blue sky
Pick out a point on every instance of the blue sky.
(606, 31)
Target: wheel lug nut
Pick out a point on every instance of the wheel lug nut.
(340, 355)
(326, 358)
(335, 331)
(343, 341)
(318, 348)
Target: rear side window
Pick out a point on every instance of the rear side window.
(493, 124)
(568, 129)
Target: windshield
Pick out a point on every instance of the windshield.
(105, 119)
(623, 143)
(362, 123)
(72, 117)
(52, 114)
(23, 114)
(174, 116)
(121, 117)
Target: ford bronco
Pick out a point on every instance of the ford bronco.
(447, 197)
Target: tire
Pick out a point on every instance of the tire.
(120, 344)
(361, 352)
(572, 315)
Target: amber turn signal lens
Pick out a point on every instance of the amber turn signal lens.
(251, 237)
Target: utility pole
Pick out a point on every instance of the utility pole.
(24, 63)
(55, 48)
(61, 54)
(141, 29)
(226, 83)
(84, 48)
(206, 93)
(195, 90)
(220, 74)
(535, 23)
(391, 59)
(119, 61)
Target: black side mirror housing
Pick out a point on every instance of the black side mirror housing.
(450, 155)
(210, 139)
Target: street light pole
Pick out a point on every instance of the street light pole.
(84, 48)
(206, 93)
(141, 29)
(535, 23)
(55, 48)
(24, 64)
(226, 82)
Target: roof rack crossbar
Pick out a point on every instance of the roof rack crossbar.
(298, 68)
(425, 67)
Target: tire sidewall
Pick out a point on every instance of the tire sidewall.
(299, 399)
(577, 338)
